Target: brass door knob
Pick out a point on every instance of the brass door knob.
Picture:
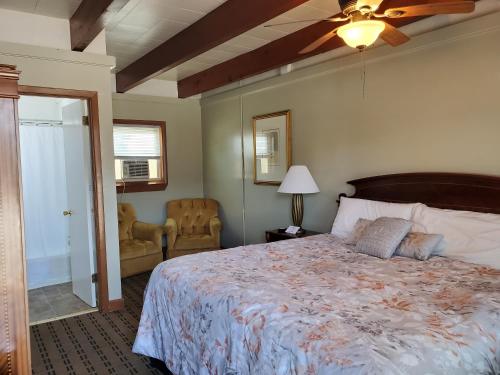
(68, 213)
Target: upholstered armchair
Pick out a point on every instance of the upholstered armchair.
(140, 243)
(192, 226)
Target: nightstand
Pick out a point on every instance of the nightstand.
(278, 235)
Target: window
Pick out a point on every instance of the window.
(140, 155)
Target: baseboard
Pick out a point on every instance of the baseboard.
(116, 305)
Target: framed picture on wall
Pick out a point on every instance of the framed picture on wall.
(272, 147)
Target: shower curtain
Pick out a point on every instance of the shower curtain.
(45, 199)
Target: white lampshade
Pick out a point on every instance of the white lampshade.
(298, 180)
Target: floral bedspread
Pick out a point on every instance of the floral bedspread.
(313, 306)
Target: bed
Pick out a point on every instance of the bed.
(315, 306)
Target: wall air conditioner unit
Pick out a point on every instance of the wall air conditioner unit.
(135, 170)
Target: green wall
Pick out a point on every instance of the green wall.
(431, 105)
(184, 155)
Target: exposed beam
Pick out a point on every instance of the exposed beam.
(229, 20)
(272, 55)
(90, 19)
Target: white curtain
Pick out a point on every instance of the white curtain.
(45, 199)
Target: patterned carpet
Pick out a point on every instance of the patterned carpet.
(94, 343)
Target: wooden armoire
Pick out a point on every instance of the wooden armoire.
(14, 338)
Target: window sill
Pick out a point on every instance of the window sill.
(137, 187)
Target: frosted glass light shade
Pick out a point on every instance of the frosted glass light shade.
(361, 34)
(298, 180)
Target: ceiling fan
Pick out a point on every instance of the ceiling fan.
(362, 25)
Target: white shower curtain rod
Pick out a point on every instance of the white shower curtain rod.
(37, 122)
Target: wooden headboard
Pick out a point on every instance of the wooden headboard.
(469, 192)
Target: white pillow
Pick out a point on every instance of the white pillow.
(469, 236)
(353, 209)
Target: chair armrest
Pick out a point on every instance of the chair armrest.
(148, 232)
(215, 226)
(170, 229)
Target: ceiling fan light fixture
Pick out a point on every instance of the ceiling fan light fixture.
(370, 5)
(394, 13)
(361, 34)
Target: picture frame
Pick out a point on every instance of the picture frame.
(272, 147)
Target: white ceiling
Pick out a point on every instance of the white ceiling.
(144, 24)
(150, 22)
(259, 36)
(51, 8)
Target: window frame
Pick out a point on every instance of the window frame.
(143, 186)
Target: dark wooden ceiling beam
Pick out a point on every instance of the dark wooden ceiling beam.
(272, 56)
(229, 20)
(90, 19)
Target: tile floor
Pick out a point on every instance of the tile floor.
(54, 301)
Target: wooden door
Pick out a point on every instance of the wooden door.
(14, 339)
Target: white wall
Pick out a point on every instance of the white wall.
(48, 67)
(33, 29)
(39, 108)
(43, 31)
(98, 45)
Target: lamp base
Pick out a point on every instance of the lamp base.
(297, 209)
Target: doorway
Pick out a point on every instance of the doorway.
(62, 195)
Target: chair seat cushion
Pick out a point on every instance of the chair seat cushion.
(195, 241)
(130, 249)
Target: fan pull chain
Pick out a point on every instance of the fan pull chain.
(363, 73)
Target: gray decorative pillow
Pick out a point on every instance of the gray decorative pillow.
(358, 230)
(418, 245)
(382, 237)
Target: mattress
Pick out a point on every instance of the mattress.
(314, 306)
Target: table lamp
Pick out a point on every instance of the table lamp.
(298, 181)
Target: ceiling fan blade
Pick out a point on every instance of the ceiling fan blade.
(393, 36)
(331, 19)
(430, 8)
(319, 42)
